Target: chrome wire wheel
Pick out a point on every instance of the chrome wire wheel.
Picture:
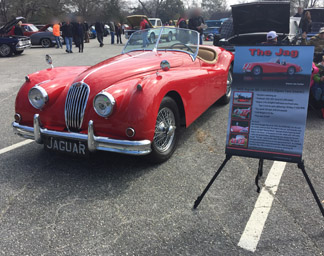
(257, 71)
(46, 43)
(164, 130)
(229, 83)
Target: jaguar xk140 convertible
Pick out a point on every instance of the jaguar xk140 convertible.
(134, 103)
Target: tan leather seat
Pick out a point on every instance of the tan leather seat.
(207, 54)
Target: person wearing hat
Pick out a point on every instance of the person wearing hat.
(318, 42)
(272, 39)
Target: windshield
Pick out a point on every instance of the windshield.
(33, 28)
(164, 39)
(275, 60)
(153, 21)
(213, 23)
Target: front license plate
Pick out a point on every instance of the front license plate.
(74, 147)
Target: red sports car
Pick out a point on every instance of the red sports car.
(236, 128)
(274, 66)
(239, 140)
(242, 113)
(134, 103)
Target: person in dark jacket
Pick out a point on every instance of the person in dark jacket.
(305, 24)
(182, 21)
(100, 31)
(79, 35)
(67, 31)
(86, 32)
(272, 39)
(18, 31)
(112, 31)
(118, 30)
(197, 23)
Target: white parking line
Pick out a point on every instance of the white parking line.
(14, 146)
(253, 229)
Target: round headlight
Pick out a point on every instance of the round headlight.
(104, 104)
(37, 97)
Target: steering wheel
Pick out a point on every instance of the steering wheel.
(182, 44)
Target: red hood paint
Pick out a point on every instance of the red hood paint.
(124, 66)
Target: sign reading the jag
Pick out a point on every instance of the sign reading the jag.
(269, 102)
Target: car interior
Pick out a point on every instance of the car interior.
(207, 54)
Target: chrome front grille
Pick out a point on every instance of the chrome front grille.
(75, 104)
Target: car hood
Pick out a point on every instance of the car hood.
(5, 29)
(125, 66)
(135, 20)
(261, 17)
(44, 28)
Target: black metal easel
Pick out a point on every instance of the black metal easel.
(300, 165)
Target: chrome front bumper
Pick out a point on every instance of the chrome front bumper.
(142, 147)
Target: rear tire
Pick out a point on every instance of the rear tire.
(167, 128)
(46, 42)
(5, 50)
(227, 97)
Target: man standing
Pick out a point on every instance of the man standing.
(118, 29)
(197, 23)
(144, 25)
(57, 34)
(18, 30)
(86, 32)
(299, 12)
(112, 31)
(272, 39)
(67, 30)
(99, 30)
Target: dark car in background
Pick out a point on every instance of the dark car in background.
(11, 44)
(212, 29)
(252, 22)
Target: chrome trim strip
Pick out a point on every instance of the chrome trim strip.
(141, 147)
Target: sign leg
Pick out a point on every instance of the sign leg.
(302, 167)
(197, 202)
(259, 175)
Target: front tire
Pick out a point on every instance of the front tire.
(46, 43)
(166, 133)
(5, 50)
(257, 71)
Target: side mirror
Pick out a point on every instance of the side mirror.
(216, 40)
(165, 65)
(49, 60)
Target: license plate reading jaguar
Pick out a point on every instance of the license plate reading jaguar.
(74, 147)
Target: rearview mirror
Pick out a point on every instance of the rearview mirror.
(49, 60)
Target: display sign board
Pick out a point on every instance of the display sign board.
(269, 102)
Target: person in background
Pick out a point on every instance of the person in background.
(272, 39)
(318, 42)
(182, 21)
(67, 30)
(226, 29)
(305, 24)
(299, 12)
(79, 34)
(144, 25)
(99, 30)
(18, 30)
(57, 33)
(123, 29)
(118, 29)
(112, 31)
(86, 32)
(197, 23)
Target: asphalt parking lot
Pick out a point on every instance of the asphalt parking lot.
(110, 204)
